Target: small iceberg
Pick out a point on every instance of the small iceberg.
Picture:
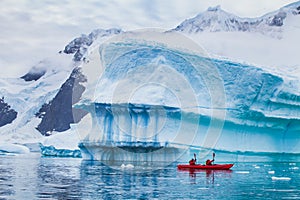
(274, 178)
(63, 144)
(13, 148)
(271, 172)
(54, 152)
(242, 172)
(128, 166)
(294, 168)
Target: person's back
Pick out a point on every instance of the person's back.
(209, 162)
(192, 162)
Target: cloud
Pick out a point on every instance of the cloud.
(32, 29)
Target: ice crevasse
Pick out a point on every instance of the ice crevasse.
(154, 95)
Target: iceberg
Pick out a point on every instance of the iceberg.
(51, 151)
(131, 133)
(157, 96)
(63, 144)
(13, 149)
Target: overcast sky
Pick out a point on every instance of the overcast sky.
(31, 30)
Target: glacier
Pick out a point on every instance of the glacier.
(153, 96)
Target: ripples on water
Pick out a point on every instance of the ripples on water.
(33, 177)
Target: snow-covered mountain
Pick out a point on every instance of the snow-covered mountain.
(40, 102)
(217, 20)
(257, 59)
(270, 41)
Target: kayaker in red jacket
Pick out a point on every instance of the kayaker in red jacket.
(193, 161)
(209, 162)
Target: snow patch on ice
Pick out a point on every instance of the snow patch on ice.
(64, 140)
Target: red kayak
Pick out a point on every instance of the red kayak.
(216, 166)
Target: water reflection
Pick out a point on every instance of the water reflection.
(63, 178)
(209, 174)
(17, 177)
(58, 179)
(114, 184)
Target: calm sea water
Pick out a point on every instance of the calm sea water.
(34, 177)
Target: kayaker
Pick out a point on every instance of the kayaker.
(210, 162)
(193, 161)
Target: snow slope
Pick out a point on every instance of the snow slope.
(27, 97)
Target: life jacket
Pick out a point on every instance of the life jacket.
(192, 162)
(209, 162)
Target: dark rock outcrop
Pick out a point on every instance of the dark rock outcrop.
(75, 44)
(297, 11)
(278, 19)
(7, 115)
(79, 45)
(34, 74)
(58, 114)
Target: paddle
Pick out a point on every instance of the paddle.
(195, 157)
(214, 155)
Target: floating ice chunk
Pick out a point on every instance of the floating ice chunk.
(294, 168)
(274, 178)
(242, 172)
(13, 148)
(203, 188)
(292, 163)
(128, 166)
(271, 172)
(256, 166)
